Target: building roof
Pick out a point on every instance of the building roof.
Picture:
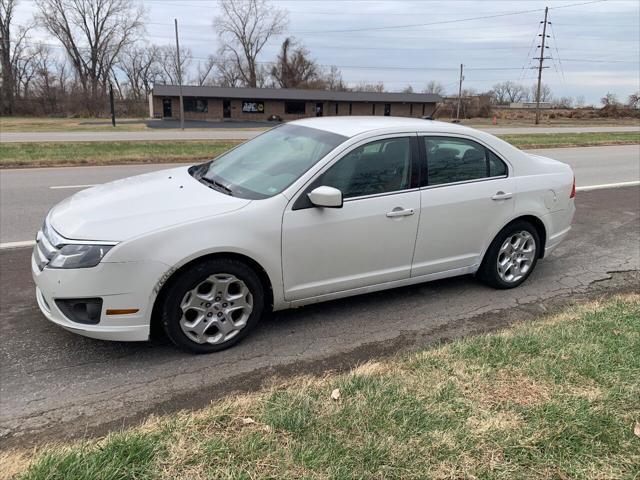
(292, 94)
(355, 125)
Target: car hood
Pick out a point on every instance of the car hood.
(133, 206)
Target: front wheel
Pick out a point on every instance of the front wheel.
(511, 257)
(212, 305)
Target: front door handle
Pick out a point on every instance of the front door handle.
(502, 196)
(400, 212)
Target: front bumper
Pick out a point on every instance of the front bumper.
(128, 285)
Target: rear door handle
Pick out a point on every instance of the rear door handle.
(502, 196)
(400, 212)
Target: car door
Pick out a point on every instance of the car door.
(370, 239)
(467, 196)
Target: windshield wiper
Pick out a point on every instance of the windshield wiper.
(217, 185)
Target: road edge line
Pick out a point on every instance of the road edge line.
(588, 188)
(24, 243)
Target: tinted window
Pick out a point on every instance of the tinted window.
(377, 167)
(497, 168)
(452, 160)
(197, 105)
(294, 108)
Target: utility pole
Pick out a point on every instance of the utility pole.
(179, 76)
(540, 67)
(112, 105)
(459, 93)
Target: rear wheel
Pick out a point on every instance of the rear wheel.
(212, 305)
(511, 257)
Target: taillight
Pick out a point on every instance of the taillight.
(573, 188)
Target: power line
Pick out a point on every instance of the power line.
(555, 44)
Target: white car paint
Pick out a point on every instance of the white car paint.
(163, 220)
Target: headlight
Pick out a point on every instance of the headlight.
(79, 256)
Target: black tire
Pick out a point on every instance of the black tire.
(171, 313)
(488, 271)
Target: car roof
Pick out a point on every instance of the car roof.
(353, 125)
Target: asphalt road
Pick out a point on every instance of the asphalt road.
(242, 134)
(27, 194)
(54, 384)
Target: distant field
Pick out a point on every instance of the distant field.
(558, 140)
(114, 153)
(555, 398)
(45, 124)
(108, 153)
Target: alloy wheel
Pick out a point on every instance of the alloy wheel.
(516, 256)
(216, 309)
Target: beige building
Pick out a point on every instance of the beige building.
(222, 103)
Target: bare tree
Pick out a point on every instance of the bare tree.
(634, 100)
(93, 33)
(244, 27)
(6, 18)
(610, 99)
(169, 63)
(434, 87)
(141, 66)
(508, 92)
(333, 80)
(14, 59)
(407, 89)
(294, 68)
(546, 95)
(580, 101)
(369, 87)
(564, 102)
(206, 71)
(24, 68)
(227, 72)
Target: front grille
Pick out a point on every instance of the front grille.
(44, 250)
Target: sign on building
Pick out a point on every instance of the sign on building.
(252, 107)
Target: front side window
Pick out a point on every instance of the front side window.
(451, 160)
(269, 163)
(377, 167)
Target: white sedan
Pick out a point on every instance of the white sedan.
(309, 211)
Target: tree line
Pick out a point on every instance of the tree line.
(103, 43)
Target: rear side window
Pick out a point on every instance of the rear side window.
(451, 160)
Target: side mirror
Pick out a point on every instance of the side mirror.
(324, 196)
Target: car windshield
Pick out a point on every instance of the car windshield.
(269, 163)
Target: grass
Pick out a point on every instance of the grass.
(555, 398)
(558, 140)
(108, 153)
(46, 124)
(112, 153)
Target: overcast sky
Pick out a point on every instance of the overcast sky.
(595, 45)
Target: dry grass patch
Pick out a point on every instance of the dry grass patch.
(490, 406)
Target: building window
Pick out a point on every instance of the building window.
(411, 109)
(196, 105)
(294, 108)
(252, 106)
(387, 109)
(423, 109)
(350, 108)
(373, 109)
(336, 108)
